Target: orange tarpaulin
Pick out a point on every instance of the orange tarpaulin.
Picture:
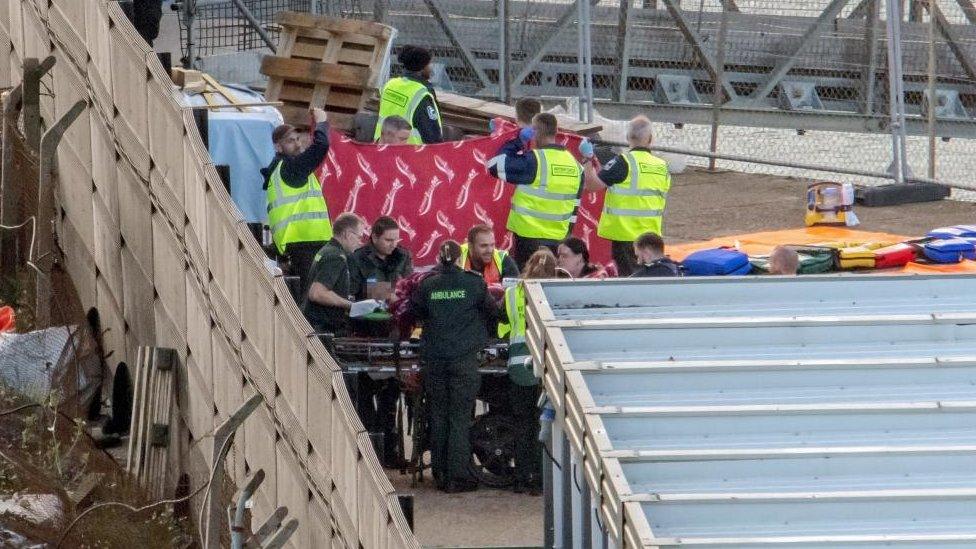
(762, 243)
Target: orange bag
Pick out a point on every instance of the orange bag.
(7, 319)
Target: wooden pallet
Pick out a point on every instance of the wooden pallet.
(323, 62)
(471, 115)
(152, 404)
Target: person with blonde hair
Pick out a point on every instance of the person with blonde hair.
(456, 309)
(524, 392)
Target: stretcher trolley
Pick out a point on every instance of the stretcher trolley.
(370, 362)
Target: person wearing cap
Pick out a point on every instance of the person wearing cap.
(637, 184)
(548, 183)
(297, 212)
(456, 310)
(412, 97)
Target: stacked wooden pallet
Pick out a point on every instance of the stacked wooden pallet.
(471, 115)
(330, 63)
(152, 404)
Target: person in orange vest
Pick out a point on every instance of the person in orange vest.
(480, 255)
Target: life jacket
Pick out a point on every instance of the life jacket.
(297, 214)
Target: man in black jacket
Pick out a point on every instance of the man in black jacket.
(377, 266)
(456, 310)
(649, 249)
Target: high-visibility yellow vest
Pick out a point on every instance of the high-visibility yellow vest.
(514, 328)
(636, 206)
(546, 208)
(401, 97)
(498, 256)
(297, 214)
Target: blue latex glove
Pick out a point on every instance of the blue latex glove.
(526, 134)
(491, 126)
(586, 148)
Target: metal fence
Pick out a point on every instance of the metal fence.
(804, 81)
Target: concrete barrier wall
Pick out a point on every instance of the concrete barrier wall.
(151, 239)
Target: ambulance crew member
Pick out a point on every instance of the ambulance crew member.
(524, 389)
(297, 213)
(455, 309)
(480, 255)
(637, 184)
(548, 185)
(328, 296)
(412, 97)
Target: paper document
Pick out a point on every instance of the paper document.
(364, 307)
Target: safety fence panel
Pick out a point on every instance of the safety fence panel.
(152, 240)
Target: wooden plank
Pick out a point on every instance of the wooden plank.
(295, 20)
(305, 70)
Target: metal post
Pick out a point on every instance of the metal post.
(504, 84)
(220, 448)
(548, 508)
(379, 10)
(718, 95)
(46, 211)
(620, 90)
(896, 95)
(245, 493)
(868, 78)
(33, 72)
(9, 192)
(189, 13)
(581, 53)
(932, 98)
(567, 493)
(588, 59)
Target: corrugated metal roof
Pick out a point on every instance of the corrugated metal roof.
(756, 412)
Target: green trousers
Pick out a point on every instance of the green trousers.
(451, 387)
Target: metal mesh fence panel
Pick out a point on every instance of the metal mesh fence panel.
(804, 81)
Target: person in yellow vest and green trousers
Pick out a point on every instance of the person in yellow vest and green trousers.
(480, 255)
(524, 389)
(548, 183)
(637, 184)
(297, 213)
(412, 97)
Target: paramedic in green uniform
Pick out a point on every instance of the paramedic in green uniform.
(524, 392)
(412, 97)
(456, 310)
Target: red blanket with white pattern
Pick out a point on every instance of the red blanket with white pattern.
(437, 191)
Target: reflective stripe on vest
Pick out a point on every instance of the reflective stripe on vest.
(546, 208)
(515, 311)
(636, 206)
(498, 256)
(297, 215)
(401, 97)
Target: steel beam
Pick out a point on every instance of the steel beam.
(696, 44)
(46, 210)
(952, 39)
(445, 25)
(783, 67)
(33, 72)
(551, 35)
(968, 9)
(256, 25)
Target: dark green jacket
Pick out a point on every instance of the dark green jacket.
(456, 310)
(331, 269)
(366, 265)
